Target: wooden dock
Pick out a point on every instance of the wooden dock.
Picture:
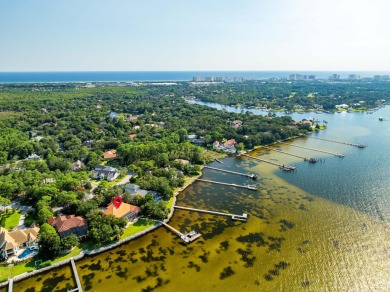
(281, 166)
(318, 150)
(250, 175)
(10, 284)
(188, 237)
(242, 217)
(339, 142)
(248, 187)
(76, 276)
(311, 160)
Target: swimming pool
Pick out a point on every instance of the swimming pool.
(27, 252)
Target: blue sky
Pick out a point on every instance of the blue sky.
(69, 35)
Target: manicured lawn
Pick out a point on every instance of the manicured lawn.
(74, 252)
(11, 271)
(138, 226)
(91, 245)
(10, 220)
(170, 203)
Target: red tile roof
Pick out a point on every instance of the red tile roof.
(64, 223)
(110, 154)
(123, 209)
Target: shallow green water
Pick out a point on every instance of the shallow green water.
(59, 279)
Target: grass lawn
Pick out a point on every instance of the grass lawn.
(11, 271)
(138, 226)
(10, 220)
(170, 203)
(74, 252)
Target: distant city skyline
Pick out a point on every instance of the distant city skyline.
(175, 35)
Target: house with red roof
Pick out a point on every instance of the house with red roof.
(70, 224)
(124, 210)
(110, 154)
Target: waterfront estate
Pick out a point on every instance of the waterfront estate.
(11, 242)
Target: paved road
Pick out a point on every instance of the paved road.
(125, 180)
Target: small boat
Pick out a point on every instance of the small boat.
(217, 160)
(381, 119)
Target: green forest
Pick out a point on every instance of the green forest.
(294, 95)
(46, 128)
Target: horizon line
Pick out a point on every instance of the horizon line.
(99, 71)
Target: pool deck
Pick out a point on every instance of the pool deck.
(15, 258)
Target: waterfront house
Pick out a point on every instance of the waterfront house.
(236, 123)
(70, 224)
(77, 165)
(106, 172)
(338, 106)
(216, 145)
(123, 211)
(12, 241)
(229, 144)
(135, 190)
(110, 154)
(183, 161)
(194, 139)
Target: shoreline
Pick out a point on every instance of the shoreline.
(85, 253)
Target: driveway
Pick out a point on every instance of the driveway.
(125, 180)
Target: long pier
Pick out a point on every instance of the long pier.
(311, 160)
(248, 187)
(242, 217)
(318, 150)
(281, 166)
(339, 142)
(252, 176)
(188, 237)
(76, 276)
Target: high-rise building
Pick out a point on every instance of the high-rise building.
(353, 77)
(334, 77)
(311, 77)
(197, 78)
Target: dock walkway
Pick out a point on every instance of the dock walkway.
(10, 284)
(281, 166)
(76, 276)
(252, 176)
(339, 142)
(248, 187)
(188, 237)
(318, 150)
(311, 160)
(244, 216)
